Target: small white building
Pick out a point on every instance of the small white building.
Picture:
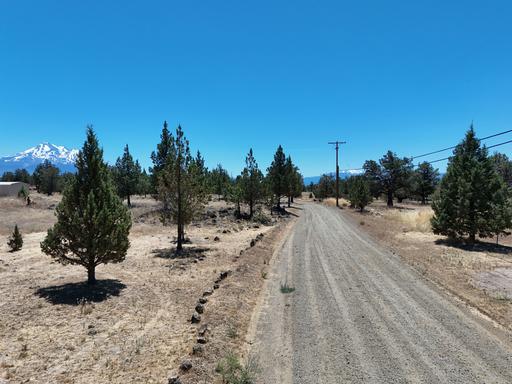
(12, 188)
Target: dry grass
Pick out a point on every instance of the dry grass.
(136, 328)
(331, 202)
(478, 275)
(417, 220)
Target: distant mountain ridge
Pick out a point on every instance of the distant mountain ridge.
(60, 156)
(343, 175)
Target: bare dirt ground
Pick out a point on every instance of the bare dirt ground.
(340, 308)
(480, 275)
(136, 326)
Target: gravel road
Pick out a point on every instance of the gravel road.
(360, 315)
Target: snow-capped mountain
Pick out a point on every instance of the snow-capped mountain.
(345, 174)
(58, 155)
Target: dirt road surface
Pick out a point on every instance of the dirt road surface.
(359, 315)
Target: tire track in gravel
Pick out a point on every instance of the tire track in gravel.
(360, 315)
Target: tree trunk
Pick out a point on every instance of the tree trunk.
(91, 275)
(471, 238)
(292, 199)
(251, 209)
(289, 200)
(129, 202)
(390, 199)
(423, 200)
(179, 243)
(278, 202)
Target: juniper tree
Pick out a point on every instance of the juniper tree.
(15, 242)
(181, 186)
(359, 192)
(277, 175)
(391, 174)
(471, 195)
(92, 224)
(127, 175)
(46, 178)
(373, 174)
(425, 181)
(251, 182)
(326, 187)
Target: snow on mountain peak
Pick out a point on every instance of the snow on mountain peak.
(58, 155)
(48, 151)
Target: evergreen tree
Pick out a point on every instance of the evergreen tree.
(127, 175)
(326, 187)
(426, 179)
(359, 192)
(22, 175)
(15, 242)
(290, 179)
(144, 183)
(219, 181)
(251, 182)
(159, 157)
(46, 178)
(373, 174)
(471, 195)
(503, 166)
(277, 175)
(181, 186)
(92, 223)
(8, 176)
(235, 194)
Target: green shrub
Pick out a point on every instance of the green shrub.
(234, 372)
(16, 240)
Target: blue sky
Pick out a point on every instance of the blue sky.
(403, 75)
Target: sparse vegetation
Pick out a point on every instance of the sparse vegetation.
(285, 288)
(233, 371)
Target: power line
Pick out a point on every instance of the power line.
(446, 149)
(337, 143)
(446, 158)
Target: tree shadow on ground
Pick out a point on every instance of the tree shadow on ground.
(75, 293)
(478, 246)
(187, 252)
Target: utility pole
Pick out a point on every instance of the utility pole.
(337, 145)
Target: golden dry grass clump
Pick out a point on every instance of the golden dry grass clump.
(417, 220)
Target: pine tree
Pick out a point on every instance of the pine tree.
(181, 186)
(15, 242)
(92, 223)
(144, 183)
(359, 192)
(235, 194)
(251, 182)
(426, 179)
(127, 175)
(159, 157)
(277, 175)
(471, 195)
(219, 181)
(503, 166)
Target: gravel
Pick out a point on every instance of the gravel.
(360, 315)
